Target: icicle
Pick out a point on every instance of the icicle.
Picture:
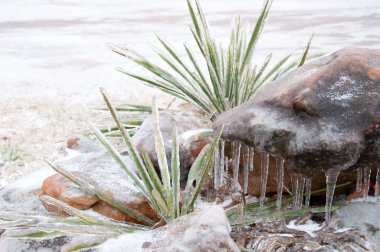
(359, 178)
(264, 176)
(307, 192)
(251, 157)
(298, 184)
(226, 162)
(377, 186)
(295, 189)
(221, 165)
(301, 190)
(246, 167)
(331, 177)
(216, 168)
(366, 181)
(280, 181)
(235, 164)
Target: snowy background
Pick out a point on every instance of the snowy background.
(54, 55)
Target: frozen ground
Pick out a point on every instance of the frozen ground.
(53, 53)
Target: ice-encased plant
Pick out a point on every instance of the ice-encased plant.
(230, 77)
(162, 194)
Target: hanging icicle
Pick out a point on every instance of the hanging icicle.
(331, 177)
(302, 180)
(264, 176)
(280, 180)
(377, 186)
(251, 158)
(298, 186)
(235, 164)
(359, 179)
(226, 162)
(216, 168)
(366, 181)
(295, 189)
(221, 165)
(246, 167)
(307, 192)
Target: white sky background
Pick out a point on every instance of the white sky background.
(54, 58)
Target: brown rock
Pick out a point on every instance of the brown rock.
(59, 187)
(322, 116)
(109, 211)
(102, 172)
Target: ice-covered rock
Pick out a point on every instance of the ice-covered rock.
(202, 230)
(101, 171)
(323, 116)
(188, 126)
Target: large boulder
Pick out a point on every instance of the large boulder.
(323, 116)
(202, 230)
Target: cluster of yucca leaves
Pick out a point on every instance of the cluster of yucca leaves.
(163, 196)
(231, 77)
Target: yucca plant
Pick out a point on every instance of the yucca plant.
(162, 194)
(230, 77)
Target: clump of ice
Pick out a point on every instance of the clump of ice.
(309, 227)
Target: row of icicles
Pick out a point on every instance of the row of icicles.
(301, 186)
